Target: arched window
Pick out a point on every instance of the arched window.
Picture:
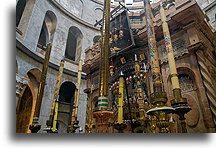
(66, 102)
(24, 9)
(98, 14)
(74, 44)
(43, 39)
(47, 30)
(96, 39)
(19, 10)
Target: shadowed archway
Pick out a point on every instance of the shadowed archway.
(66, 101)
(74, 44)
(47, 30)
(26, 103)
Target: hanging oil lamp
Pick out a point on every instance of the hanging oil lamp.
(115, 36)
(121, 32)
(110, 38)
(114, 31)
(111, 70)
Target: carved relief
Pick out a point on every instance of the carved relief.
(186, 83)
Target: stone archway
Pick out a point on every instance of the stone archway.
(66, 102)
(23, 114)
(27, 101)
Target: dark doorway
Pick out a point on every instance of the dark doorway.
(66, 102)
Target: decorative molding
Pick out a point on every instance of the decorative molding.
(21, 81)
(19, 31)
(98, 2)
(210, 6)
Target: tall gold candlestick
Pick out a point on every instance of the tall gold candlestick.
(35, 127)
(153, 52)
(104, 60)
(52, 122)
(139, 89)
(102, 113)
(179, 103)
(120, 125)
(76, 102)
(74, 121)
(158, 98)
(169, 49)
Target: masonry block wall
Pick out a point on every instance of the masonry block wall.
(28, 55)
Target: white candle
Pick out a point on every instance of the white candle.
(145, 70)
(135, 57)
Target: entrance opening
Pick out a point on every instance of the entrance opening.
(66, 102)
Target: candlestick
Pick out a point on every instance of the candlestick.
(120, 99)
(179, 103)
(52, 122)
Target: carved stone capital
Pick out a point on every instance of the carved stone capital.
(21, 81)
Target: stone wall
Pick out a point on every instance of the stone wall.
(30, 26)
(26, 63)
(209, 7)
(84, 9)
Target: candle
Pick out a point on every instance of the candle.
(135, 57)
(120, 99)
(145, 70)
